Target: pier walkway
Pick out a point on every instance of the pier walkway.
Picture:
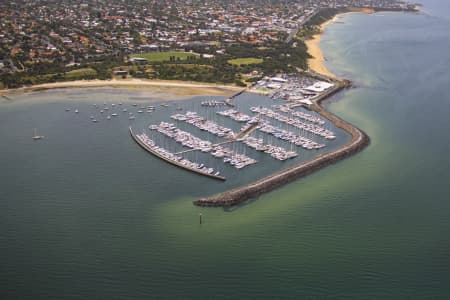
(229, 101)
(247, 131)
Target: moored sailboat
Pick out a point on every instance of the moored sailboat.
(36, 136)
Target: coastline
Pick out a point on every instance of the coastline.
(178, 88)
(317, 62)
(359, 139)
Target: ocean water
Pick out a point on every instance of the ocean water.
(85, 214)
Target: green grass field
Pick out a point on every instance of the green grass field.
(163, 56)
(245, 61)
(80, 73)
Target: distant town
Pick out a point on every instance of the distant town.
(213, 41)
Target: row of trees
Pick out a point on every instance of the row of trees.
(46, 72)
(277, 57)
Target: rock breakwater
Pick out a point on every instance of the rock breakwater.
(359, 140)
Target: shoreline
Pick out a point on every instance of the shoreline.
(317, 62)
(359, 139)
(178, 88)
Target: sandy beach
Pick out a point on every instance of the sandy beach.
(178, 88)
(317, 62)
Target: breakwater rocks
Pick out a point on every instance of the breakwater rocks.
(359, 140)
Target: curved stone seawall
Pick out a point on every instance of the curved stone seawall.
(359, 140)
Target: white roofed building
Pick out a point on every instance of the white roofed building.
(278, 79)
(319, 86)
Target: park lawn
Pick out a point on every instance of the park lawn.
(163, 56)
(80, 73)
(245, 61)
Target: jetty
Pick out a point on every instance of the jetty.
(315, 129)
(229, 101)
(174, 159)
(359, 140)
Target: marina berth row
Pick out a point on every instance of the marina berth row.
(282, 134)
(315, 129)
(198, 121)
(238, 160)
(299, 114)
(184, 138)
(289, 136)
(235, 115)
(149, 145)
(201, 123)
(212, 103)
(275, 151)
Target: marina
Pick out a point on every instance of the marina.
(228, 145)
(243, 136)
(359, 140)
(238, 142)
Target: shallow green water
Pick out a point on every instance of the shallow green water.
(77, 224)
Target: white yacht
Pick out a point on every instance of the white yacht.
(36, 136)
